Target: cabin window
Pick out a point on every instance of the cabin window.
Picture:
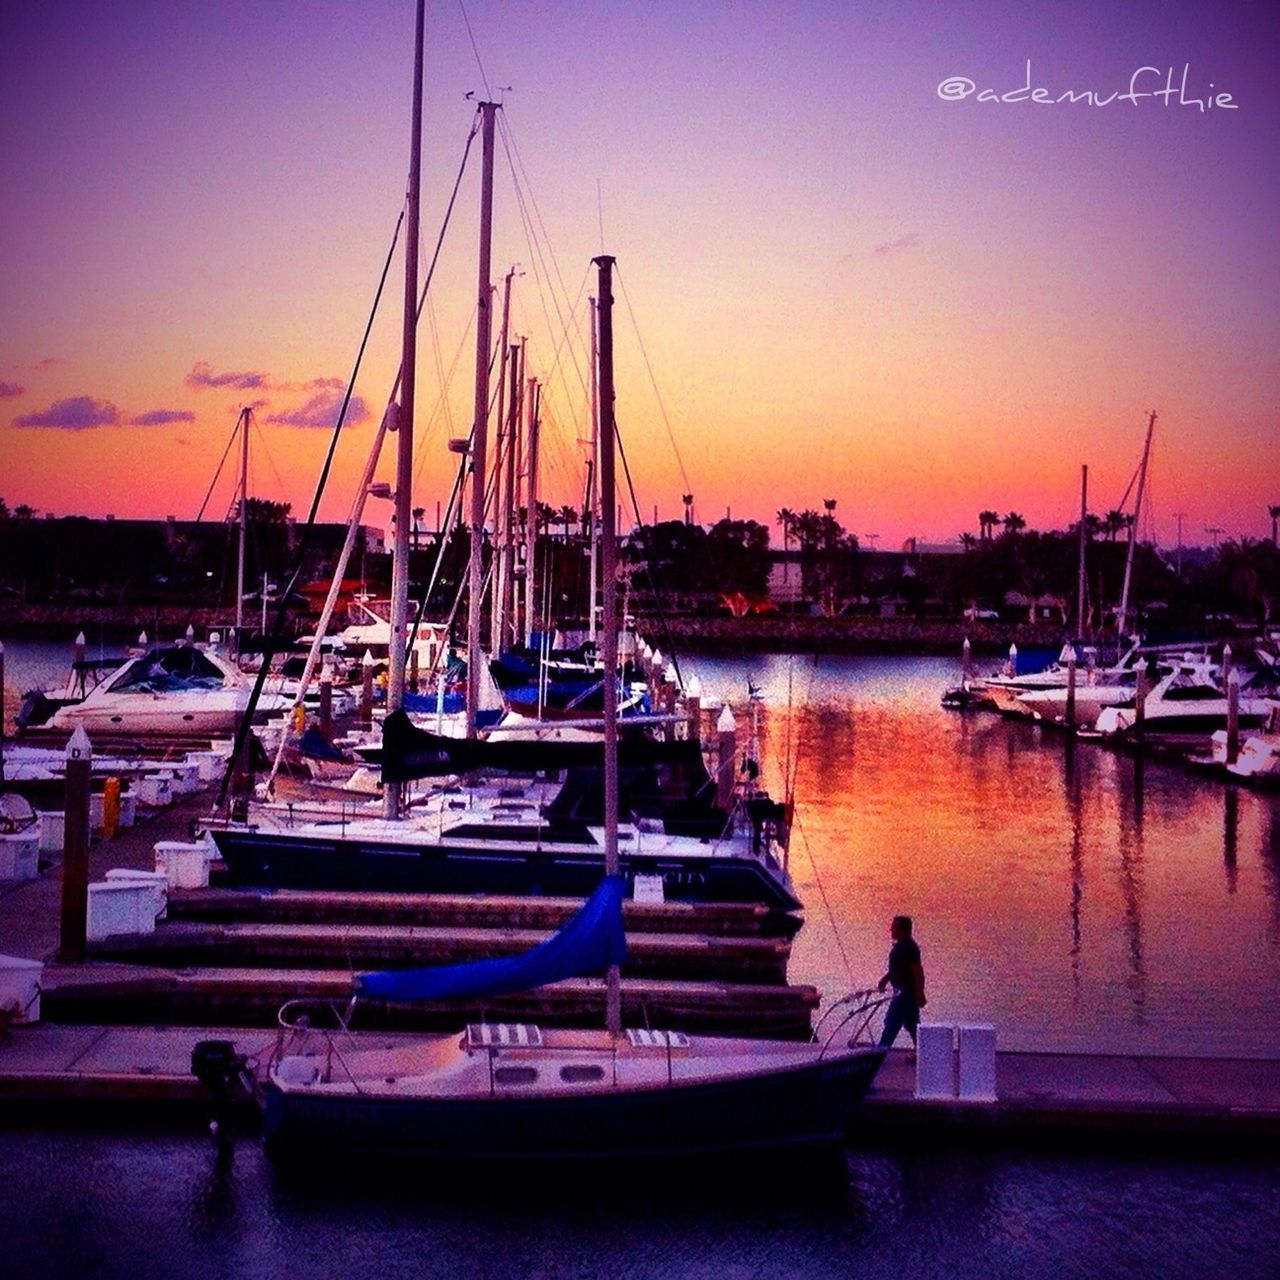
(515, 1075)
(581, 1074)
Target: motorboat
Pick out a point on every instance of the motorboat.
(1187, 701)
(178, 689)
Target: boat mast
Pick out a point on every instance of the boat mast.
(480, 427)
(399, 621)
(609, 620)
(244, 527)
(531, 506)
(1122, 619)
(512, 500)
(1084, 541)
(593, 483)
(501, 499)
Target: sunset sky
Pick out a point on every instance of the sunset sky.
(848, 286)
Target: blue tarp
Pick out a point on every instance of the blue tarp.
(590, 940)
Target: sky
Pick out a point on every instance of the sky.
(855, 260)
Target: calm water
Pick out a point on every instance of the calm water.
(1074, 901)
(1078, 900)
(107, 1205)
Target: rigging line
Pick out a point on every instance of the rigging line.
(474, 49)
(209, 493)
(684, 475)
(266, 449)
(307, 532)
(512, 150)
(667, 638)
(826, 901)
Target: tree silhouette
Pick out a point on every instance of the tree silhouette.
(1272, 511)
(987, 521)
(1013, 522)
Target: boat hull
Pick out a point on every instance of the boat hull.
(285, 861)
(809, 1105)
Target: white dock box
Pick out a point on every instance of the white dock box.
(185, 865)
(156, 880)
(20, 853)
(20, 982)
(128, 808)
(185, 776)
(155, 790)
(208, 765)
(53, 829)
(977, 1063)
(935, 1064)
(119, 906)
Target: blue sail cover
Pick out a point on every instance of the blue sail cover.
(590, 940)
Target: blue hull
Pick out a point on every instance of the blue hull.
(810, 1105)
(282, 862)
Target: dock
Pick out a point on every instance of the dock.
(1038, 1094)
(118, 1030)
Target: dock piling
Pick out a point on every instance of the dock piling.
(75, 855)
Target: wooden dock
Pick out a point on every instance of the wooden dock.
(1091, 1098)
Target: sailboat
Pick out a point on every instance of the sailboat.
(502, 1091)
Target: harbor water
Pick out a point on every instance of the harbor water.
(1079, 900)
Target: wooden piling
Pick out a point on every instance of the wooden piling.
(326, 703)
(366, 690)
(75, 850)
(1233, 717)
(1071, 688)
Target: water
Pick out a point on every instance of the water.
(106, 1205)
(1079, 900)
(1076, 902)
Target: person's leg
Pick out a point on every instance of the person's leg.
(894, 1019)
(911, 1020)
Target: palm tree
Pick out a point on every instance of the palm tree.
(24, 512)
(987, 521)
(1113, 522)
(968, 541)
(1272, 511)
(568, 516)
(1013, 522)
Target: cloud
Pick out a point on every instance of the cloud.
(325, 384)
(322, 411)
(202, 375)
(160, 417)
(74, 414)
(10, 389)
(896, 246)
(48, 362)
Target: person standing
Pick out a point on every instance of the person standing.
(906, 975)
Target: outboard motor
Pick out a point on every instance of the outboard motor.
(224, 1072)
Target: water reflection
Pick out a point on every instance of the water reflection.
(1073, 895)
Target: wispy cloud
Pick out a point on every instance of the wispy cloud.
(48, 362)
(160, 417)
(902, 243)
(202, 375)
(10, 389)
(73, 414)
(321, 410)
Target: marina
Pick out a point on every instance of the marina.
(757, 756)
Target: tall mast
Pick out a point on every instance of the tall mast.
(244, 527)
(501, 498)
(404, 443)
(592, 488)
(531, 504)
(512, 501)
(480, 428)
(1122, 619)
(609, 620)
(1084, 542)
